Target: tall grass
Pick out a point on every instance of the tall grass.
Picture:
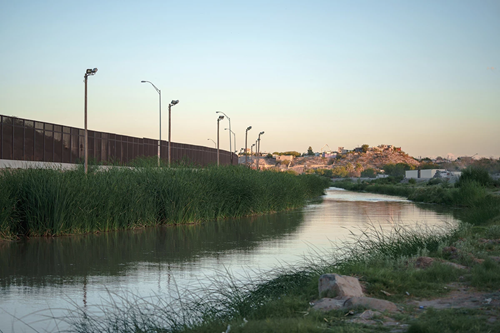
(36, 202)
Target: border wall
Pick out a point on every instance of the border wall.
(29, 140)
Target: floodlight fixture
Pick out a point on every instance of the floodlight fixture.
(230, 143)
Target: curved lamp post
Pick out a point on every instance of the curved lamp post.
(215, 144)
(246, 135)
(258, 149)
(218, 120)
(88, 73)
(230, 147)
(159, 95)
(251, 151)
(234, 136)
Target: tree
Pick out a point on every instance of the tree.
(370, 173)
(397, 170)
(365, 148)
(310, 151)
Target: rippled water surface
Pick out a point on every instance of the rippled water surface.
(57, 274)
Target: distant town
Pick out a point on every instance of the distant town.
(367, 161)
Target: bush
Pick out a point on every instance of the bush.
(370, 173)
(470, 193)
(434, 181)
(478, 175)
(397, 170)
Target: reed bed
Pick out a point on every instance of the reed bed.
(39, 202)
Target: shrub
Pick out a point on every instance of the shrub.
(479, 175)
(470, 192)
(370, 173)
(434, 181)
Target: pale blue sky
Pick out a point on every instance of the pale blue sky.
(416, 74)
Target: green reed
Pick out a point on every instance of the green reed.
(40, 202)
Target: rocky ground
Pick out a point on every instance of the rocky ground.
(374, 160)
(347, 294)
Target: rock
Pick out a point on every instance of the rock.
(477, 260)
(328, 304)
(335, 285)
(362, 321)
(452, 264)
(451, 251)
(424, 262)
(369, 314)
(372, 303)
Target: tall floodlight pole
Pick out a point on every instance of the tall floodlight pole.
(246, 136)
(258, 149)
(215, 144)
(218, 120)
(230, 147)
(174, 102)
(251, 151)
(234, 136)
(88, 72)
(159, 96)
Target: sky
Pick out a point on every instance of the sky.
(421, 75)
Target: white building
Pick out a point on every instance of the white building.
(431, 173)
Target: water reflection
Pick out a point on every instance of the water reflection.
(41, 261)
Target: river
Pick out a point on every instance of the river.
(46, 276)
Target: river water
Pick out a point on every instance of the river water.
(44, 277)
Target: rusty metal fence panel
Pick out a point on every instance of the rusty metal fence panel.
(29, 140)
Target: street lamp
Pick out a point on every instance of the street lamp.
(234, 135)
(246, 135)
(258, 149)
(218, 120)
(230, 147)
(88, 73)
(251, 151)
(159, 95)
(172, 103)
(215, 144)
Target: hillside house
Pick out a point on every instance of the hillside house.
(284, 158)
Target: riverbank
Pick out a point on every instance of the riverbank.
(476, 194)
(456, 290)
(48, 202)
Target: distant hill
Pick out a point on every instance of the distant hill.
(354, 162)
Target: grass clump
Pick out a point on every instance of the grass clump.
(40, 202)
(453, 320)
